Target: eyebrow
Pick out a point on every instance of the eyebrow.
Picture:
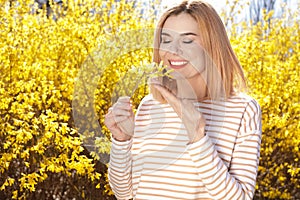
(182, 34)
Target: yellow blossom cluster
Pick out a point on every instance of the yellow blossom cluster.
(43, 153)
(270, 55)
(60, 74)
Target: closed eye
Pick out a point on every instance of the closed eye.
(189, 41)
(165, 40)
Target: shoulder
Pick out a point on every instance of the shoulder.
(251, 119)
(148, 103)
(252, 110)
(235, 104)
(244, 100)
(148, 100)
(150, 106)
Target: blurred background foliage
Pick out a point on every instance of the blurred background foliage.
(64, 63)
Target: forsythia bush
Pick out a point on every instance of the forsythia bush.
(59, 77)
(43, 152)
(270, 55)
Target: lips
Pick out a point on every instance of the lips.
(178, 64)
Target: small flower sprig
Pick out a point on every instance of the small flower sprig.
(139, 75)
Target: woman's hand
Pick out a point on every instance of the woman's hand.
(120, 119)
(192, 119)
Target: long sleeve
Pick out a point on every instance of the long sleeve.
(236, 181)
(120, 169)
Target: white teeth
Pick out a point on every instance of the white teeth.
(178, 62)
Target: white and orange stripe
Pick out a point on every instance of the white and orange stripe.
(157, 163)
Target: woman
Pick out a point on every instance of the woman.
(195, 136)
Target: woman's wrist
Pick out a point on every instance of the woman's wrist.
(200, 133)
(121, 139)
(197, 138)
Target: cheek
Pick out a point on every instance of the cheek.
(196, 55)
(193, 51)
(162, 55)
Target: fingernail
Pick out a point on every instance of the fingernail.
(157, 86)
(154, 81)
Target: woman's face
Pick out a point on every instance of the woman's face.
(180, 47)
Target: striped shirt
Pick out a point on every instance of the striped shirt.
(158, 163)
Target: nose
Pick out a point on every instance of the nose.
(172, 47)
(175, 48)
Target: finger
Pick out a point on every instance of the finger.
(121, 112)
(127, 127)
(113, 119)
(122, 105)
(125, 113)
(189, 101)
(119, 119)
(112, 125)
(109, 111)
(109, 118)
(170, 97)
(124, 99)
(155, 81)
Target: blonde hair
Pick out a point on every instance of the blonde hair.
(223, 67)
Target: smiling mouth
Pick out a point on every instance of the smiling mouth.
(177, 64)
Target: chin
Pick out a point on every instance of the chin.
(177, 76)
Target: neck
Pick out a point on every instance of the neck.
(193, 88)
